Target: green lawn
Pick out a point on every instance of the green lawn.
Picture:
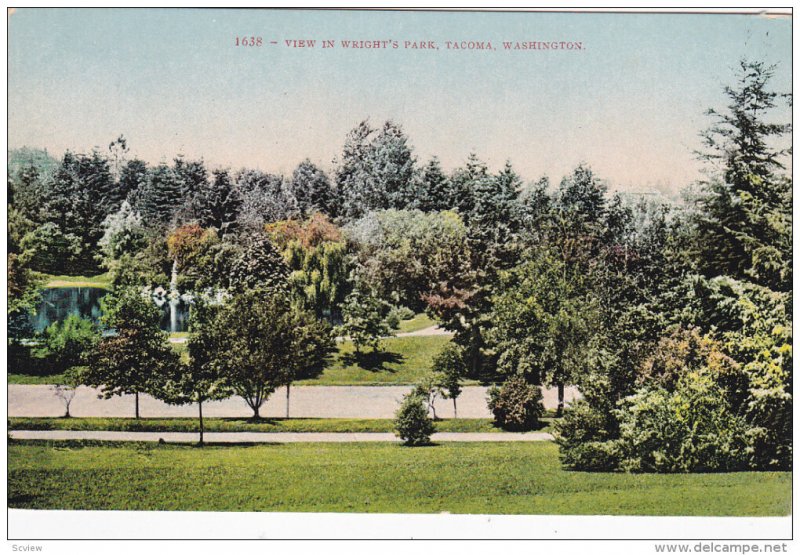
(343, 425)
(403, 360)
(418, 322)
(504, 478)
(34, 379)
(101, 280)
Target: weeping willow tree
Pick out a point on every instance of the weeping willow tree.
(316, 254)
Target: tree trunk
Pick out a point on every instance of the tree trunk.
(136, 397)
(560, 410)
(288, 386)
(200, 407)
(256, 416)
(455, 408)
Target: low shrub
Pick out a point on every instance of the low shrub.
(412, 423)
(583, 439)
(690, 429)
(770, 438)
(517, 405)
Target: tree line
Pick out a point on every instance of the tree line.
(672, 317)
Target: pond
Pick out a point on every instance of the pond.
(59, 302)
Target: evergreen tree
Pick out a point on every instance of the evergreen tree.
(217, 203)
(435, 194)
(311, 189)
(744, 214)
(160, 196)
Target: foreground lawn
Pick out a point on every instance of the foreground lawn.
(403, 360)
(101, 280)
(503, 478)
(344, 425)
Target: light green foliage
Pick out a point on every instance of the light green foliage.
(449, 370)
(318, 260)
(412, 423)
(123, 234)
(543, 321)
(69, 342)
(689, 429)
(516, 405)
(364, 320)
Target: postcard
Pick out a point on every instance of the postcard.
(391, 274)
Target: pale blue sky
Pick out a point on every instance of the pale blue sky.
(630, 104)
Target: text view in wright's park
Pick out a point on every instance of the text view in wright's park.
(432, 262)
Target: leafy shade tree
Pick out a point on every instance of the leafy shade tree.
(364, 320)
(448, 370)
(192, 250)
(200, 380)
(135, 357)
(544, 320)
(405, 256)
(259, 343)
(744, 214)
(314, 345)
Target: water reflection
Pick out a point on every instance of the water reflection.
(59, 302)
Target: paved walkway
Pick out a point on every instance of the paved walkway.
(433, 330)
(270, 437)
(306, 402)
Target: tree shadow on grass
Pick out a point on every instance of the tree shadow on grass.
(374, 361)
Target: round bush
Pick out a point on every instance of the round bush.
(583, 439)
(412, 423)
(690, 429)
(517, 405)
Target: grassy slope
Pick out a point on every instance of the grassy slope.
(101, 280)
(404, 360)
(418, 322)
(343, 425)
(357, 477)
